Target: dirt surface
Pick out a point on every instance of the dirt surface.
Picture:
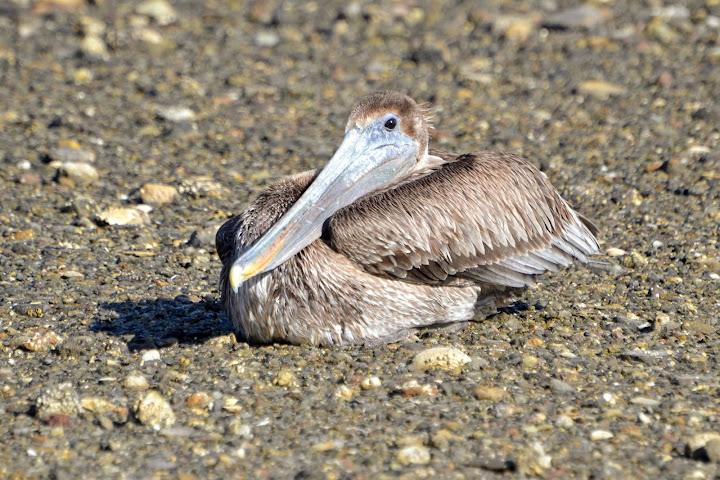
(129, 131)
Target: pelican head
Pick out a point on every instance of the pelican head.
(386, 139)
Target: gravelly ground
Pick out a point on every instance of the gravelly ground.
(116, 360)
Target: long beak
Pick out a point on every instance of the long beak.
(367, 160)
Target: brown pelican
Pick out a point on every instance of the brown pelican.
(392, 236)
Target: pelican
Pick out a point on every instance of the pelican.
(392, 236)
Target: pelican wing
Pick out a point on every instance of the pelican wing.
(485, 217)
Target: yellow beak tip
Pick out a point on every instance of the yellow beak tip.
(237, 277)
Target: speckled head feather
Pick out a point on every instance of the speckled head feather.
(412, 116)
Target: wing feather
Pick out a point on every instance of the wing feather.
(486, 217)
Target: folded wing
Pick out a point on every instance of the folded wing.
(486, 217)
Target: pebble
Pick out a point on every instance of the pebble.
(82, 173)
(444, 438)
(124, 216)
(533, 460)
(659, 29)
(712, 449)
(148, 35)
(492, 394)
(328, 445)
(635, 260)
(645, 402)
(286, 378)
(647, 356)
(176, 114)
(154, 410)
(23, 165)
(601, 89)
(558, 386)
(445, 358)
(237, 428)
(43, 341)
(343, 392)
(25, 234)
(644, 419)
(158, 10)
(72, 274)
(529, 362)
(232, 405)
(158, 193)
(609, 398)
(597, 435)
(412, 388)
(152, 355)
(370, 383)
(28, 178)
(83, 76)
(61, 399)
(136, 381)
(267, 39)
(71, 155)
(200, 187)
(665, 79)
(584, 16)
(92, 26)
(200, 402)
(97, 405)
(413, 455)
(93, 46)
(615, 252)
(564, 421)
(33, 310)
(515, 28)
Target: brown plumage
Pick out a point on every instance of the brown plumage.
(445, 240)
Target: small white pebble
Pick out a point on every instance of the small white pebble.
(615, 252)
(344, 392)
(245, 431)
(136, 381)
(563, 421)
(413, 455)
(143, 207)
(370, 383)
(150, 356)
(657, 244)
(600, 435)
(24, 165)
(645, 402)
(699, 148)
(609, 398)
(445, 358)
(176, 114)
(644, 418)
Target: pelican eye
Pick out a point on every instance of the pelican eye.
(391, 123)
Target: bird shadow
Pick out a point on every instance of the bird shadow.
(161, 323)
